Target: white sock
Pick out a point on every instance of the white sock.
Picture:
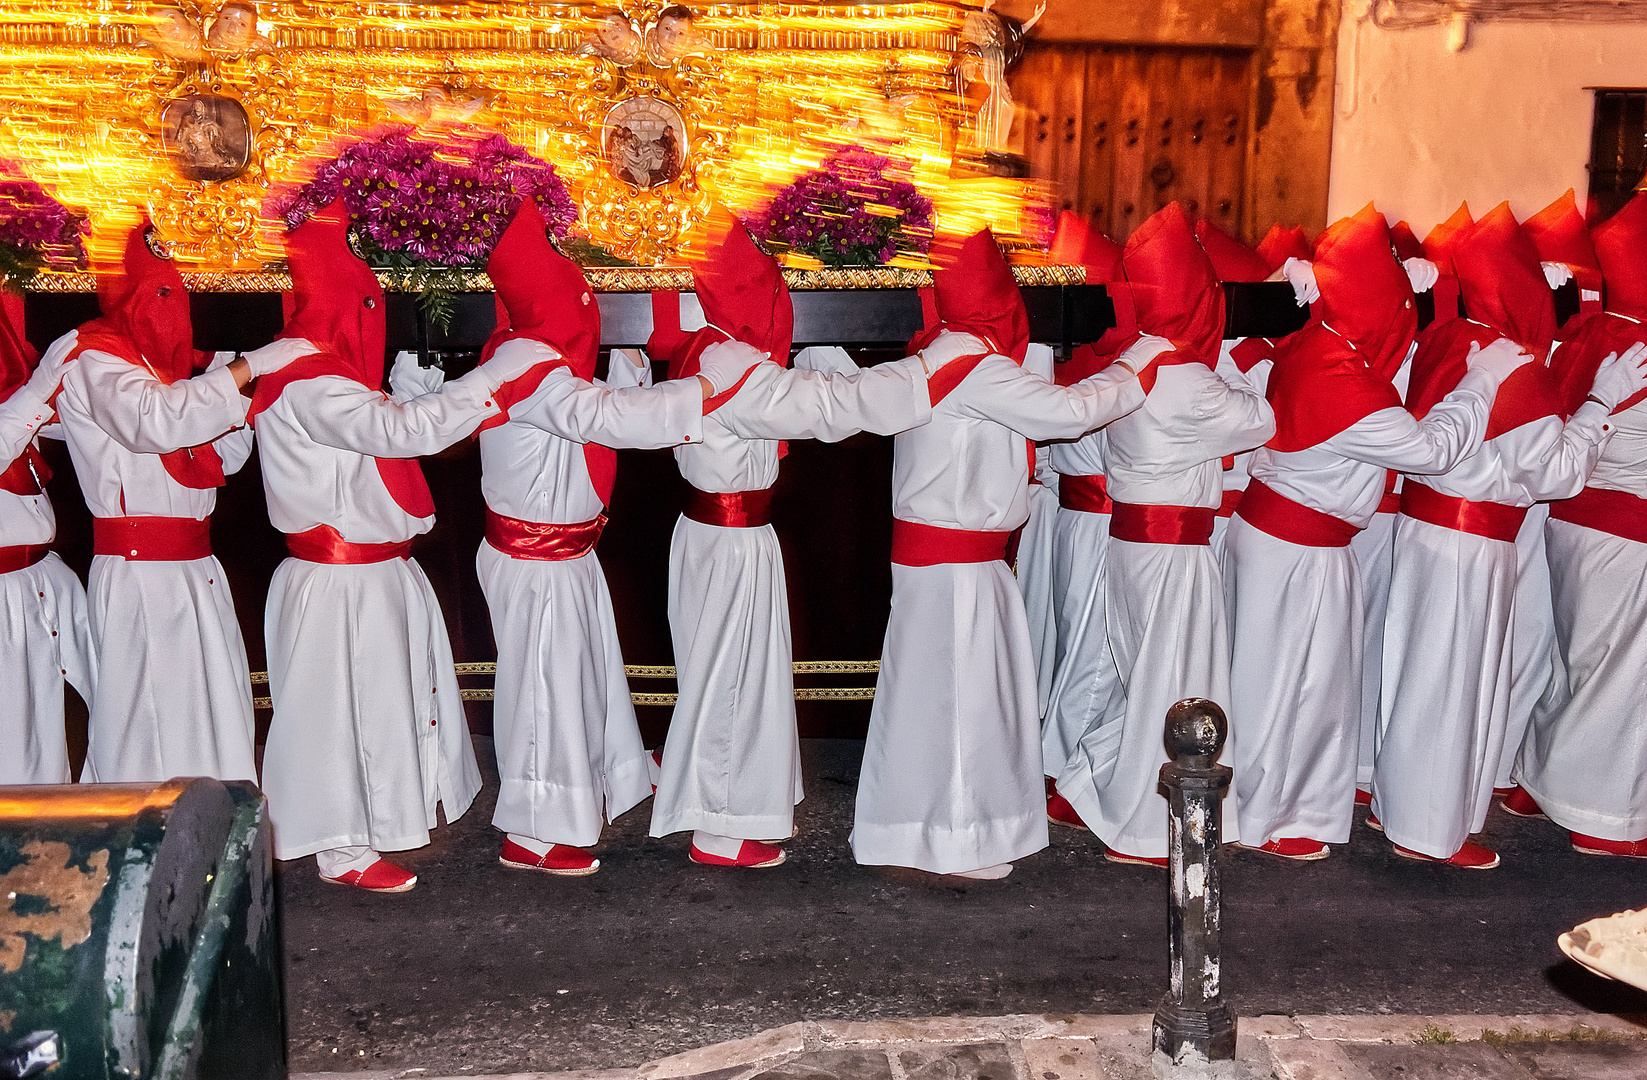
(986, 873)
(335, 862)
(532, 844)
(727, 847)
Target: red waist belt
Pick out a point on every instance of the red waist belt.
(22, 556)
(1084, 493)
(152, 539)
(1268, 510)
(541, 540)
(1390, 503)
(1227, 504)
(1139, 524)
(731, 509)
(1617, 512)
(914, 544)
(1495, 521)
(323, 544)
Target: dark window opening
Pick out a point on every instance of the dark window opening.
(1618, 150)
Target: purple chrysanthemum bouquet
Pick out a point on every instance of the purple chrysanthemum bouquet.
(421, 206)
(851, 211)
(36, 231)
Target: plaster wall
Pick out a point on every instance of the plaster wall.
(1417, 128)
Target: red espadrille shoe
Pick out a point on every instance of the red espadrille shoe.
(1469, 857)
(382, 876)
(1363, 797)
(655, 767)
(1132, 860)
(753, 855)
(1595, 845)
(1060, 812)
(1373, 823)
(1520, 804)
(1297, 848)
(561, 859)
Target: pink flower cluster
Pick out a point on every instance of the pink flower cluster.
(443, 203)
(849, 212)
(35, 225)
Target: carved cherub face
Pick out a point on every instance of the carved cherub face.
(674, 33)
(172, 25)
(234, 29)
(616, 34)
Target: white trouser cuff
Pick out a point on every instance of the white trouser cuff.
(531, 843)
(727, 847)
(335, 862)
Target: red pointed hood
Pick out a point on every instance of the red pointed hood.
(1621, 249)
(1231, 259)
(1175, 289)
(336, 301)
(974, 292)
(1078, 243)
(1438, 246)
(1365, 294)
(1282, 243)
(145, 310)
(541, 294)
(1504, 287)
(1559, 234)
(1405, 242)
(17, 356)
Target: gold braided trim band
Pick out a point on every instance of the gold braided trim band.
(613, 279)
(666, 671)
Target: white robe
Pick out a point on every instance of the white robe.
(1446, 702)
(1167, 626)
(368, 734)
(952, 768)
(1585, 763)
(1234, 479)
(1084, 681)
(45, 633)
(569, 751)
(173, 690)
(1537, 681)
(1298, 611)
(731, 761)
(1034, 565)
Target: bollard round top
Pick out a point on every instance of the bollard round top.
(1196, 728)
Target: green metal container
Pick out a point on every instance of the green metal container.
(137, 925)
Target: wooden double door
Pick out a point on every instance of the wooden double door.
(1123, 130)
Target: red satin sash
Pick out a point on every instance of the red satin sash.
(1616, 512)
(1495, 521)
(323, 544)
(731, 509)
(1390, 503)
(27, 474)
(1228, 502)
(22, 556)
(152, 539)
(1185, 525)
(541, 540)
(914, 544)
(1269, 511)
(1084, 493)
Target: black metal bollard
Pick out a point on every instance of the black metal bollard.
(1194, 1028)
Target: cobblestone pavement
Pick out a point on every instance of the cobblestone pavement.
(486, 970)
(1118, 1048)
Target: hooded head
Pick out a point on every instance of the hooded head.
(1502, 283)
(144, 302)
(1438, 246)
(17, 356)
(1559, 234)
(1365, 294)
(1231, 259)
(1077, 243)
(974, 292)
(336, 301)
(1282, 243)
(1621, 249)
(542, 294)
(1175, 289)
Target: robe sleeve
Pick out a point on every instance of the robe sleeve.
(788, 403)
(1450, 432)
(639, 418)
(343, 414)
(146, 416)
(21, 418)
(1552, 460)
(1001, 391)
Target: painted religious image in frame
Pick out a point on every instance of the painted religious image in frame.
(208, 137)
(644, 142)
